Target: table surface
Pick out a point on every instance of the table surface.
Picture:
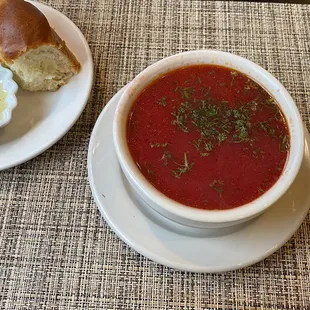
(282, 1)
(56, 252)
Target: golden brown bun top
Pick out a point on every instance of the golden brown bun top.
(23, 27)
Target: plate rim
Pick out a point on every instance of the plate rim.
(154, 256)
(88, 88)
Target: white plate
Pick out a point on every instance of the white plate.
(178, 246)
(42, 118)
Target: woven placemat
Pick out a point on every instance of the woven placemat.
(55, 250)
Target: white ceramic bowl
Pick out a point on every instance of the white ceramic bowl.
(10, 88)
(184, 214)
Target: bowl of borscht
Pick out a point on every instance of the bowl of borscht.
(207, 138)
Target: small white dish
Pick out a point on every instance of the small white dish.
(42, 118)
(178, 246)
(192, 216)
(9, 88)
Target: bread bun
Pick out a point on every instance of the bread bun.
(32, 50)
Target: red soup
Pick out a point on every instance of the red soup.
(208, 137)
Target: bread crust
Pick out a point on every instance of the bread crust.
(23, 27)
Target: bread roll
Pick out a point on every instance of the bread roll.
(32, 50)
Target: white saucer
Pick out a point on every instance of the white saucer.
(40, 119)
(178, 246)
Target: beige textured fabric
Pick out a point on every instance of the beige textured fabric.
(55, 250)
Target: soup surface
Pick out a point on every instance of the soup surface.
(208, 137)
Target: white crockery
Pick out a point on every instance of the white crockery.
(10, 88)
(42, 118)
(179, 246)
(184, 214)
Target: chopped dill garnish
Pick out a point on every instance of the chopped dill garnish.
(162, 101)
(216, 122)
(150, 172)
(258, 152)
(249, 84)
(181, 115)
(209, 146)
(233, 76)
(205, 91)
(261, 190)
(185, 92)
(241, 134)
(221, 137)
(263, 126)
(218, 186)
(267, 128)
(284, 144)
(209, 121)
(197, 144)
(183, 168)
(166, 157)
(158, 145)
